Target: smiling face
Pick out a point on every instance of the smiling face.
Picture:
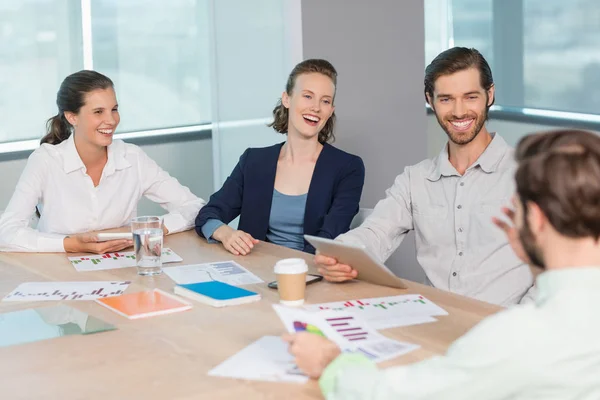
(97, 119)
(460, 104)
(310, 104)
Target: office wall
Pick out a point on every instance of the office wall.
(11, 170)
(377, 48)
(189, 161)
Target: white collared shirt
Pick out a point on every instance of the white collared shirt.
(55, 178)
(549, 350)
(458, 246)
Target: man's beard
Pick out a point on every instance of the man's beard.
(464, 137)
(528, 241)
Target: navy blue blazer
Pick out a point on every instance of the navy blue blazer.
(332, 201)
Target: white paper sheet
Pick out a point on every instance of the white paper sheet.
(52, 291)
(267, 359)
(228, 272)
(348, 331)
(387, 312)
(123, 259)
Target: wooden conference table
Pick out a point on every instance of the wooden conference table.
(168, 357)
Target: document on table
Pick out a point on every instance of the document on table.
(267, 359)
(387, 312)
(123, 259)
(228, 272)
(50, 291)
(348, 331)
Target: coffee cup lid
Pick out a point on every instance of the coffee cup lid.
(291, 266)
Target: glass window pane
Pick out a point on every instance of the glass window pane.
(437, 28)
(39, 46)
(157, 53)
(472, 25)
(561, 57)
(251, 73)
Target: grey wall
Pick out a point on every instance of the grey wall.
(189, 161)
(377, 47)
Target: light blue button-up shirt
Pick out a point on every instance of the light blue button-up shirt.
(458, 246)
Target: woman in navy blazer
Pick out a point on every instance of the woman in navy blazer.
(301, 186)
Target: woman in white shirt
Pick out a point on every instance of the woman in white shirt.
(84, 181)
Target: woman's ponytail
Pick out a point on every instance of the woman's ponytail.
(57, 130)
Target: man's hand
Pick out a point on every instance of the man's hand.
(313, 353)
(512, 234)
(333, 271)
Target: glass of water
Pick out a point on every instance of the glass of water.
(148, 243)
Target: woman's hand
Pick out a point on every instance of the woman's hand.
(236, 242)
(88, 243)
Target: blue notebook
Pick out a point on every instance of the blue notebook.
(216, 294)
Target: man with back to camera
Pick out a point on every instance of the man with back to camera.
(449, 200)
(544, 350)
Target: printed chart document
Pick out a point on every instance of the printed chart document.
(228, 272)
(51, 291)
(267, 359)
(347, 330)
(387, 312)
(123, 259)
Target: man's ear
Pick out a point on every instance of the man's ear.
(491, 95)
(536, 218)
(429, 100)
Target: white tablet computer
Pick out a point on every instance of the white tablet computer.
(368, 268)
(106, 236)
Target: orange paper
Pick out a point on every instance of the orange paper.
(145, 304)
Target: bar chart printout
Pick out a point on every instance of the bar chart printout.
(52, 291)
(387, 312)
(349, 332)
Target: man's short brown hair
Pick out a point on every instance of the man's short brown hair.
(560, 172)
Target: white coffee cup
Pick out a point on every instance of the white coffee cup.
(291, 281)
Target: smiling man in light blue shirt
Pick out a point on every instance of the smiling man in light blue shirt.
(548, 350)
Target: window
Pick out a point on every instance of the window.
(156, 52)
(32, 64)
(543, 53)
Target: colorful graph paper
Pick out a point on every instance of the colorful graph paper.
(52, 291)
(116, 260)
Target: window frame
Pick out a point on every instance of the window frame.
(508, 46)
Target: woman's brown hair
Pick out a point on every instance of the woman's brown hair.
(281, 113)
(71, 97)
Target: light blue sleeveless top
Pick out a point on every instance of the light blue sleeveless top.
(286, 222)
